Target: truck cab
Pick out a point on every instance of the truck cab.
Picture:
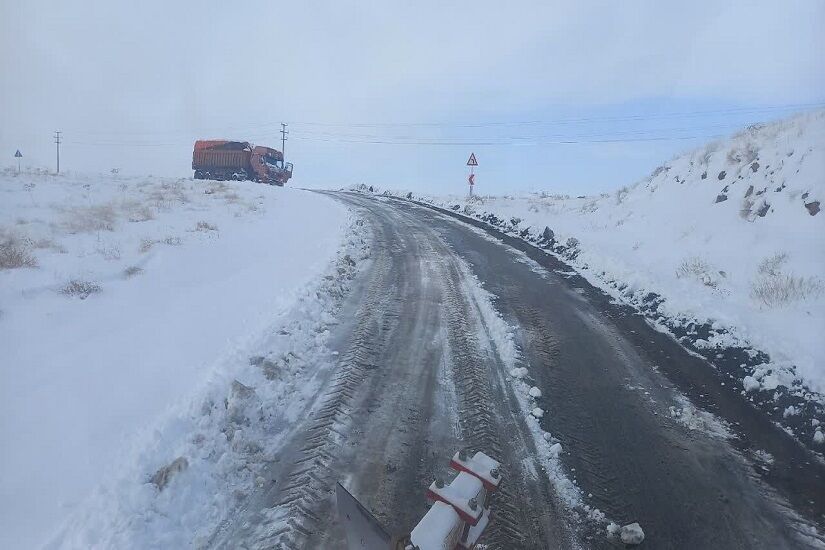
(269, 165)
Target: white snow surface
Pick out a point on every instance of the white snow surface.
(668, 234)
(98, 393)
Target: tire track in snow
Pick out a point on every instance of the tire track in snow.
(305, 493)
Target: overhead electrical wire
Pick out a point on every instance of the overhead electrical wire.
(612, 118)
(327, 133)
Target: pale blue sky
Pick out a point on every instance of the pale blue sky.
(131, 86)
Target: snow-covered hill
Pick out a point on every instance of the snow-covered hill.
(121, 299)
(731, 234)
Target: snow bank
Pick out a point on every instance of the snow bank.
(145, 289)
(727, 232)
(730, 236)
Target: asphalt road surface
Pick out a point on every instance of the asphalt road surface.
(420, 376)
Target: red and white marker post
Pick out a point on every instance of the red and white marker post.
(459, 513)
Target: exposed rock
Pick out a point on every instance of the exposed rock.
(548, 235)
(269, 368)
(241, 391)
(236, 403)
(749, 192)
(755, 166)
(750, 383)
(721, 198)
(763, 210)
(163, 476)
(632, 534)
(813, 208)
(722, 175)
(704, 175)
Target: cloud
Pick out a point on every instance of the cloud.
(166, 72)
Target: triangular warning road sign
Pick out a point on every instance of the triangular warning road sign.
(472, 161)
(18, 154)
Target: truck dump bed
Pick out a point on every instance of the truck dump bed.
(221, 154)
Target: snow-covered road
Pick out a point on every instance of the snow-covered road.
(419, 376)
(451, 339)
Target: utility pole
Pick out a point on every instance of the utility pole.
(57, 142)
(283, 138)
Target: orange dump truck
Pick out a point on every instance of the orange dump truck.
(239, 160)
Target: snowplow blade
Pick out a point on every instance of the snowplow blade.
(363, 531)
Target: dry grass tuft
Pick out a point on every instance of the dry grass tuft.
(774, 288)
(136, 212)
(696, 268)
(110, 253)
(132, 271)
(80, 289)
(15, 253)
(146, 245)
(782, 289)
(171, 241)
(90, 219)
(772, 265)
(205, 226)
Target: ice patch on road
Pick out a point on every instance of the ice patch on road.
(686, 414)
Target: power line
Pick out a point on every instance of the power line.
(309, 134)
(523, 137)
(502, 143)
(741, 111)
(615, 118)
(314, 135)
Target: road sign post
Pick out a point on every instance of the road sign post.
(18, 155)
(472, 162)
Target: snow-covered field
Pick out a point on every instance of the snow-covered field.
(730, 234)
(127, 305)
